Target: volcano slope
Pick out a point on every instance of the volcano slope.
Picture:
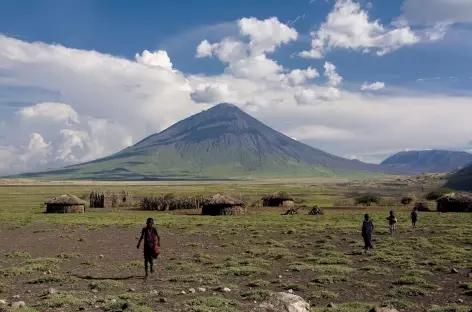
(222, 142)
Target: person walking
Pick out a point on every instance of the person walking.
(367, 230)
(151, 243)
(392, 222)
(414, 217)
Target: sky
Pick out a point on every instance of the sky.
(82, 79)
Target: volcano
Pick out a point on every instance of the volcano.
(222, 142)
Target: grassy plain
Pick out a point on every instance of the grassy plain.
(94, 264)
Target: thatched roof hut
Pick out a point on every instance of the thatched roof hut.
(110, 199)
(455, 202)
(316, 211)
(278, 199)
(65, 204)
(421, 206)
(223, 205)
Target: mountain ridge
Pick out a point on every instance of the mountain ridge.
(429, 161)
(222, 142)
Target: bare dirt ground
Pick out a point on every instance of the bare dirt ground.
(98, 268)
(89, 262)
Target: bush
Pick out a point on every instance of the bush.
(389, 202)
(434, 195)
(406, 200)
(170, 202)
(368, 199)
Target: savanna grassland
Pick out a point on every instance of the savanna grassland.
(89, 262)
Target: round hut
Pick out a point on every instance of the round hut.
(222, 205)
(278, 199)
(316, 211)
(421, 206)
(65, 204)
(455, 202)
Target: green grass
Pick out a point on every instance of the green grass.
(18, 254)
(211, 304)
(105, 284)
(320, 259)
(51, 279)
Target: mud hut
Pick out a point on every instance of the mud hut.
(278, 199)
(316, 211)
(65, 204)
(455, 202)
(421, 206)
(110, 199)
(221, 205)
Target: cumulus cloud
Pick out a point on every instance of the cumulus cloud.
(205, 49)
(53, 111)
(310, 96)
(108, 103)
(266, 35)
(299, 76)
(334, 79)
(348, 26)
(213, 93)
(372, 86)
(153, 59)
(255, 67)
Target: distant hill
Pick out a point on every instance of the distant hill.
(461, 180)
(431, 161)
(222, 142)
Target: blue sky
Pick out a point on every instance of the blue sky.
(121, 27)
(430, 60)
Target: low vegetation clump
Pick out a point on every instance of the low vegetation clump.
(170, 202)
(105, 284)
(233, 263)
(211, 304)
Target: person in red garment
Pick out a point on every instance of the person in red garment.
(151, 244)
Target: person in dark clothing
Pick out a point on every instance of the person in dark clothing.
(392, 222)
(367, 230)
(414, 217)
(151, 242)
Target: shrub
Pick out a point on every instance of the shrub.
(434, 195)
(406, 200)
(170, 202)
(368, 199)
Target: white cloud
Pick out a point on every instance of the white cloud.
(255, 67)
(372, 86)
(348, 26)
(311, 97)
(266, 35)
(437, 32)
(205, 49)
(213, 93)
(153, 59)
(107, 103)
(334, 79)
(299, 76)
(54, 111)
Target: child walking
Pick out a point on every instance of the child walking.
(151, 242)
(367, 230)
(414, 217)
(392, 222)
